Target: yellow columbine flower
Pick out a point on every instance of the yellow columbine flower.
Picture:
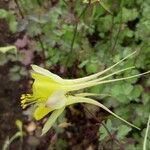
(51, 93)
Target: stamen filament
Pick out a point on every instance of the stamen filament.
(25, 104)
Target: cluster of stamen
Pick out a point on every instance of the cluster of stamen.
(26, 100)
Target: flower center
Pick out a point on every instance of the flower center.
(26, 100)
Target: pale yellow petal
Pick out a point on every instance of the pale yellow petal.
(51, 120)
(47, 73)
(43, 86)
(41, 111)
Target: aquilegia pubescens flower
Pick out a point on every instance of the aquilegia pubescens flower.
(51, 93)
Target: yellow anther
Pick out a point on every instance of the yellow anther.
(24, 106)
(28, 95)
(23, 96)
(23, 101)
(26, 100)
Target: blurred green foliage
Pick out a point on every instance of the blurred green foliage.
(101, 40)
(10, 17)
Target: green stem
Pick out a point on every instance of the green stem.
(119, 30)
(75, 32)
(146, 134)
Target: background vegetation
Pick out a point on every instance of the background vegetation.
(74, 39)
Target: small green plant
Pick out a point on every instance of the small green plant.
(19, 134)
(10, 17)
(121, 131)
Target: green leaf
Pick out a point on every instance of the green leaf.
(103, 131)
(136, 92)
(145, 98)
(116, 90)
(123, 130)
(3, 13)
(13, 24)
(91, 68)
(127, 88)
(129, 14)
(105, 6)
